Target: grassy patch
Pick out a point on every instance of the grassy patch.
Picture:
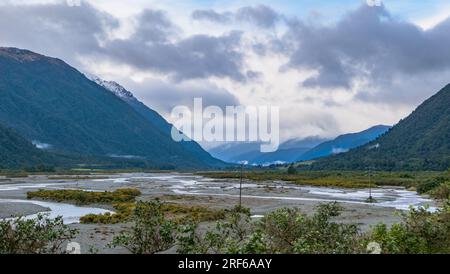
(184, 214)
(346, 179)
(123, 212)
(85, 197)
(179, 214)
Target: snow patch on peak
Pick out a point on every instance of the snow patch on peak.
(112, 86)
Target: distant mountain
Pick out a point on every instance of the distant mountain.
(48, 102)
(288, 151)
(232, 152)
(419, 142)
(16, 151)
(308, 142)
(281, 156)
(344, 143)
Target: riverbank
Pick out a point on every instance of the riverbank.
(10, 209)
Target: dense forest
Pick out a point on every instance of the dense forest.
(17, 151)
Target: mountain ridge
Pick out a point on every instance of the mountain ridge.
(149, 114)
(344, 143)
(17, 151)
(47, 101)
(421, 141)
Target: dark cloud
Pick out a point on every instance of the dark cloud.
(261, 16)
(70, 32)
(213, 16)
(54, 29)
(367, 44)
(153, 26)
(198, 56)
(151, 47)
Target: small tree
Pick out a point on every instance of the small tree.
(289, 231)
(284, 231)
(35, 236)
(420, 232)
(151, 232)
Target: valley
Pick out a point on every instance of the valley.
(199, 127)
(187, 189)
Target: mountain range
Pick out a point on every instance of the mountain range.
(154, 118)
(344, 143)
(52, 114)
(295, 150)
(54, 106)
(419, 142)
(250, 152)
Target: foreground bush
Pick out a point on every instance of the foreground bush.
(151, 231)
(284, 231)
(38, 236)
(287, 231)
(228, 237)
(290, 231)
(421, 232)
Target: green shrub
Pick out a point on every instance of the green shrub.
(228, 237)
(86, 197)
(283, 231)
(421, 232)
(38, 236)
(442, 192)
(151, 231)
(290, 231)
(429, 185)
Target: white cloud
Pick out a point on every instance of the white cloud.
(430, 22)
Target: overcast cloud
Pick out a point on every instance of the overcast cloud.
(368, 44)
(259, 15)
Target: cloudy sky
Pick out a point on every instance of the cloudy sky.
(332, 66)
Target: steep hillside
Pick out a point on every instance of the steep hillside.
(16, 152)
(150, 115)
(344, 143)
(419, 142)
(49, 102)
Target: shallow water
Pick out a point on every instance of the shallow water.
(398, 198)
(71, 214)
